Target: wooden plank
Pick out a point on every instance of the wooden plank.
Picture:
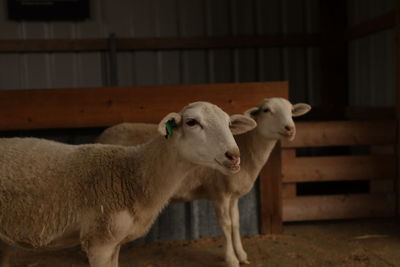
(382, 186)
(380, 23)
(339, 168)
(383, 150)
(162, 43)
(338, 207)
(271, 194)
(334, 58)
(397, 84)
(370, 113)
(343, 133)
(289, 190)
(323, 113)
(105, 106)
(288, 155)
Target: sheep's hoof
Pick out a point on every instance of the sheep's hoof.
(233, 263)
(245, 262)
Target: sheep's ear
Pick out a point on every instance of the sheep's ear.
(241, 124)
(300, 109)
(252, 112)
(168, 123)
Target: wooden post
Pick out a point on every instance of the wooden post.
(271, 194)
(334, 71)
(397, 77)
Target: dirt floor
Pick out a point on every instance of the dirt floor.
(350, 243)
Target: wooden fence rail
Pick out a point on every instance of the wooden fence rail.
(376, 167)
(106, 106)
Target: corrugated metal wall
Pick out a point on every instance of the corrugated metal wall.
(371, 58)
(169, 18)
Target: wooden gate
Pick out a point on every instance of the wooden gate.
(370, 162)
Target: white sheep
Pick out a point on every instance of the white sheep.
(55, 195)
(274, 122)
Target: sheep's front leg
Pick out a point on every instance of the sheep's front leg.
(115, 256)
(101, 255)
(237, 241)
(4, 255)
(224, 219)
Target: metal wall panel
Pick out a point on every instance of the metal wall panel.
(371, 58)
(170, 18)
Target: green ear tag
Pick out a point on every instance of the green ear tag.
(169, 127)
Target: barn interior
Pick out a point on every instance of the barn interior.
(70, 69)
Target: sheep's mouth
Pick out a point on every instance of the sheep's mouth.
(229, 165)
(287, 135)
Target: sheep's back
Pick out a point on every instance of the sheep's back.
(128, 134)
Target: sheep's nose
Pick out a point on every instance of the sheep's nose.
(289, 128)
(233, 155)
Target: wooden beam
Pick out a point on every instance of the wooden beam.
(371, 113)
(380, 23)
(345, 113)
(334, 63)
(271, 194)
(288, 155)
(382, 186)
(339, 168)
(106, 106)
(169, 43)
(338, 207)
(397, 90)
(383, 150)
(53, 45)
(343, 133)
(289, 190)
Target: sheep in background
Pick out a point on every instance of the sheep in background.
(55, 195)
(274, 122)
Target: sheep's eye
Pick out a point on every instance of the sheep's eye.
(191, 122)
(266, 110)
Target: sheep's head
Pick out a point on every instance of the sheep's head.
(274, 117)
(202, 133)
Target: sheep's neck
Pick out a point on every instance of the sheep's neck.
(162, 170)
(255, 151)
